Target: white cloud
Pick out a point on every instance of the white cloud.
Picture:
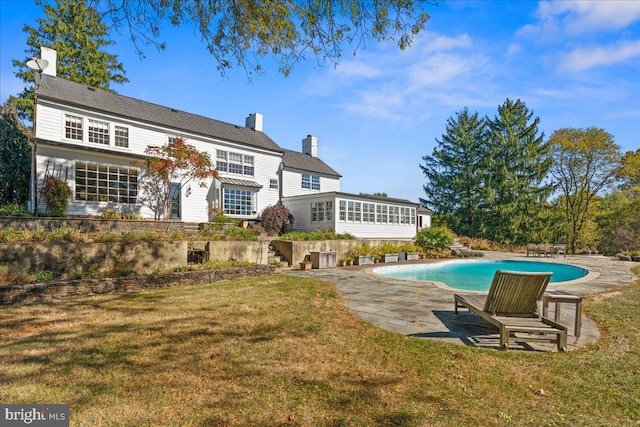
(581, 17)
(585, 58)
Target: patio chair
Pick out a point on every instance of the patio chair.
(512, 306)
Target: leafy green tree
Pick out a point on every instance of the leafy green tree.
(434, 238)
(455, 174)
(619, 223)
(15, 158)
(629, 171)
(586, 161)
(242, 32)
(76, 31)
(517, 163)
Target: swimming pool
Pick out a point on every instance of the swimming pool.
(476, 275)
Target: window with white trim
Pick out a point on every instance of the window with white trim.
(381, 214)
(315, 182)
(358, 212)
(106, 183)
(121, 134)
(239, 201)
(273, 184)
(310, 182)
(221, 161)
(350, 211)
(73, 127)
(235, 163)
(329, 211)
(343, 210)
(98, 132)
(368, 212)
(394, 214)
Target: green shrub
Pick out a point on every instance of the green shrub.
(44, 276)
(109, 213)
(317, 235)
(434, 238)
(57, 194)
(14, 209)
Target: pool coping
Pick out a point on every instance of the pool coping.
(590, 276)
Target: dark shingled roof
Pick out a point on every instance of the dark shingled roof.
(68, 92)
(301, 161)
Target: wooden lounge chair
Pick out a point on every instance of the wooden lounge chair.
(512, 306)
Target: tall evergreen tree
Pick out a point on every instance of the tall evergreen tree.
(76, 31)
(455, 174)
(518, 161)
(15, 158)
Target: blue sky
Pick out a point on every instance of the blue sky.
(574, 64)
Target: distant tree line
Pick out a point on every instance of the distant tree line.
(501, 180)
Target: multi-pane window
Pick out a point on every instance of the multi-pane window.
(315, 182)
(368, 212)
(350, 211)
(238, 202)
(310, 182)
(413, 216)
(234, 163)
(394, 214)
(98, 132)
(381, 211)
(358, 212)
(121, 136)
(221, 161)
(73, 127)
(306, 181)
(106, 183)
(248, 165)
(321, 211)
(273, 184)
(343, 210)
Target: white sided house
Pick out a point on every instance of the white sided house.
(96, 140)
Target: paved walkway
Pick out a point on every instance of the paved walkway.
(422, 309)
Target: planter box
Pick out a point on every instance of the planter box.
(412, 256)
(305, 266)
(326, 259)
(364, 259)
(635, 258)
(408, 256)
(386, 258)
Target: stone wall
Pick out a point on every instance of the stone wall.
(80, 258)
(91, 225)
(42, 292)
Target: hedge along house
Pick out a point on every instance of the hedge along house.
(95, 140)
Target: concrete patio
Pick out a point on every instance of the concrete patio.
(422, 309)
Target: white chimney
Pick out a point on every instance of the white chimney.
(51, 56)
(310, 146)
(254, 121)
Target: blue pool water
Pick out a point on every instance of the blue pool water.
(477, 275)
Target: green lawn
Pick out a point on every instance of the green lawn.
(285, 351)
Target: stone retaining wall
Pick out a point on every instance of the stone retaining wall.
(92, 225)
(42, 292)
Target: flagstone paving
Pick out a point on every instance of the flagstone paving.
(422, 309)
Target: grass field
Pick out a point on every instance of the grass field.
(284, 351)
